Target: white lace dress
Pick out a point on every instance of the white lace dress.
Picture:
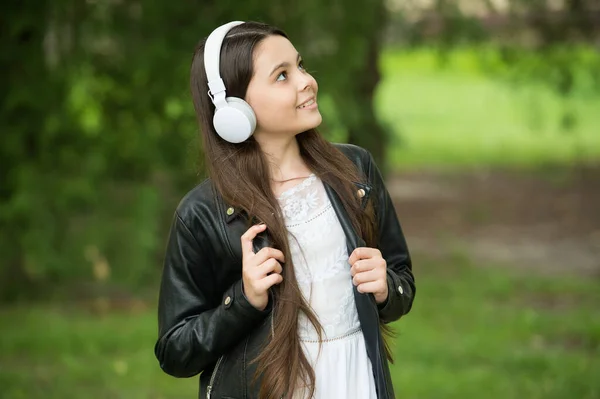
(318, 248)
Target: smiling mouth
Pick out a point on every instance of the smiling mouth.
(306, 104)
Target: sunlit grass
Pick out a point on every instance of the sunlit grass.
(473, 332)
(457, 115)
(484, 332)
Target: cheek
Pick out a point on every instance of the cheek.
(257, 106)
(271, 104)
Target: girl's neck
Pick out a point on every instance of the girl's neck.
(285, 161)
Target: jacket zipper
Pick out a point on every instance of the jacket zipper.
(212, 378)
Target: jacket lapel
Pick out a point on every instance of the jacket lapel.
(365, 303)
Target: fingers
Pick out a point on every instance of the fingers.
(267, 253)
(261, 270)
(363, 253)
(361, 266)
(372, 287)
(365, 265)
(248, 236)
(263, 254)
(265, 275)
(271, 280)
(256, 275)
(369, 276)
(270, 266)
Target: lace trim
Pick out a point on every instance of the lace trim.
(291, 191)
(327, 207)
(347, 335)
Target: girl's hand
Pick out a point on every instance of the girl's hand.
(261, 270)
(369, 272)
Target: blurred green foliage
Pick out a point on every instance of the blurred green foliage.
(99, 136)
(99, 140)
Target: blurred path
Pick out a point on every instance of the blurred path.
(546, 221)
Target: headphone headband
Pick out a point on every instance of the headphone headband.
(212, 56)
(234, 120)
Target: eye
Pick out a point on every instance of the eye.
(282, 74)
(301, 66)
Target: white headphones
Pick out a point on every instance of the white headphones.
(234, 119)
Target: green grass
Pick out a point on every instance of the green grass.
(473, 332)
(65, 352)
(458, 115)
(493, 333)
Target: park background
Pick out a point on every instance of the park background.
(484, 114)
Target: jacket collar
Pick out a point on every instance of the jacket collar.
(363, 190)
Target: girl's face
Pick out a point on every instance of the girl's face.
(281, 93)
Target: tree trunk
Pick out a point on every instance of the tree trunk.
(369, 133)
(23, 113)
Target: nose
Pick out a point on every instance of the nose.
(306, 81)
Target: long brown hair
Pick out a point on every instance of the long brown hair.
(240, 174)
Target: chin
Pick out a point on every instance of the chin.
(316, 122)
(308, 123)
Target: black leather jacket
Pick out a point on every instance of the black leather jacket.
(206, 324)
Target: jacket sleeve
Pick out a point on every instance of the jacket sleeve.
(392, 244)
(196, 323)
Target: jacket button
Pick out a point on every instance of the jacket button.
(229, 211)
(361, 193)
(400, 290)
(227, 301)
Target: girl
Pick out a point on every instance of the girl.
(283, 268)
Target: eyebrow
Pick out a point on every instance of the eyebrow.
(284, 64)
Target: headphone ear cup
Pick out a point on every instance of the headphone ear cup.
(246, 109)
(236, 122)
